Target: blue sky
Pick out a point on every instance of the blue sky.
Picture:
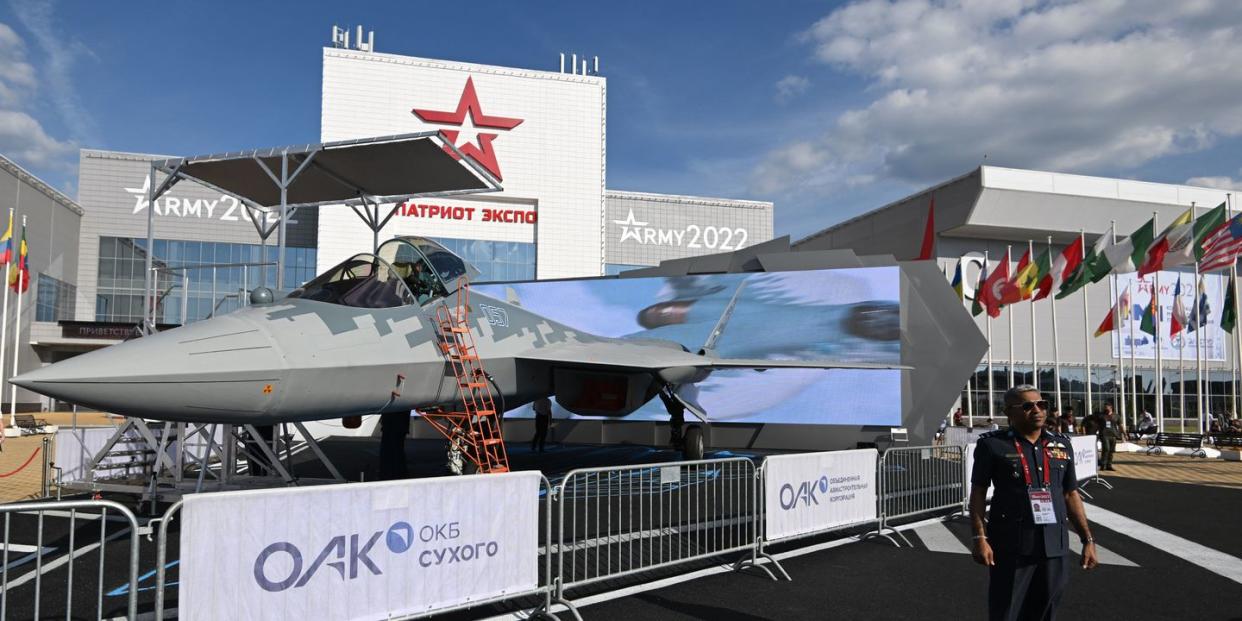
(827, 109)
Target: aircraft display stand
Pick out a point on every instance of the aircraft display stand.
(164, 461)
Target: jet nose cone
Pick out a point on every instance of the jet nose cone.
(201, 372)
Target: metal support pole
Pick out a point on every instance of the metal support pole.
(284, 209)
(148, 307)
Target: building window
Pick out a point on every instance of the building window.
(54, 300)
(496, 260)
(195, 279)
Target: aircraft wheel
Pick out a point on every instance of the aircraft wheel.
(695, 446)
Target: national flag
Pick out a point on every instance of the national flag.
(1229, 315)
(1011, 292)
(1083, 274)
(1049, 275)
(1126, 256)
(1189, 249)
(990, 292)
(1175, 236)
(1179, 319)
(1149, 316)
(1065, 265)
(19, 274)
(7, 240)
(957, 282)
(929, 233)
(1222, 246)
(1199, 316)
(976, 305)
(1121, 311)
(1036, 273)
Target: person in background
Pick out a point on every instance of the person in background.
(543, 418)
(957, 418)
(1068, 425)
(1024, 542)
(1146, 423)
(1108, 428)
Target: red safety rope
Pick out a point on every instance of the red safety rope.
(23, 466)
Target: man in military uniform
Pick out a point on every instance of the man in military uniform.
(1025, 542)
(1108, 428)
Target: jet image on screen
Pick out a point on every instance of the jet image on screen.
(844, 315)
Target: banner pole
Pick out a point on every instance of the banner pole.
(1030, 249)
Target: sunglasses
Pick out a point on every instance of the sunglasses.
(1027, 406)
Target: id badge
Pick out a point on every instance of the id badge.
(1041, 506)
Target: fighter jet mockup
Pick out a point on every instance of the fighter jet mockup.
(362, 338)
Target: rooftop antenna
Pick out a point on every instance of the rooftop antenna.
(574, 65)
(562, 62)
(596, 72)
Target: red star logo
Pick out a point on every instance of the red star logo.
(468, 140)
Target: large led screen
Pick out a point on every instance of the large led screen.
(842, 315)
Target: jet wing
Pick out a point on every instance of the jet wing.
(659, 355)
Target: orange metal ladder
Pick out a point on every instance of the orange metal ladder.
(475, 430)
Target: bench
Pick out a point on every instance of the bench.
(1227, 438)
(29, 422)
(1178, 440)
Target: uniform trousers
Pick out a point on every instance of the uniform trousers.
(1026, 588)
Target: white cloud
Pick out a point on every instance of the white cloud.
(22, 136)
(62, 53)
(1220, 183)
(1074, 85)
(22, 139)
(17, 76)
(791, 86)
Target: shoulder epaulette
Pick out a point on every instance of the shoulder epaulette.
(992, 434)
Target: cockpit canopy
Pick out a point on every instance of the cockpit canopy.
(405, 270)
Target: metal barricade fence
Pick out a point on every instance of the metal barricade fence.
(917, 480)
(55, 552)
(621, 521)
(545, 593)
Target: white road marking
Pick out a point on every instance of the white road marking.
(56, 564)
(938, 538)
(725, 567)
(1212, 560)
(1102, 554)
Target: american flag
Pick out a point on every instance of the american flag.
(1222, 246)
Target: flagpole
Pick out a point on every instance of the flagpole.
(1199, 353)
(1030, 252)
(1158, 389)
(1134, 387)
(17, 336)
(1086, 322)
(1181, 374)
(988, 320)
(1236, 371)
(4, 316)
(1056, 350)
(1009, 269)
(1121, 371)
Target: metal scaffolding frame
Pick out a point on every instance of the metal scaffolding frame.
(356, 193)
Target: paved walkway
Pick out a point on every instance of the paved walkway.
(1177, 469)
(27, 483)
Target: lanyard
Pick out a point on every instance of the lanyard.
(1026, 468)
